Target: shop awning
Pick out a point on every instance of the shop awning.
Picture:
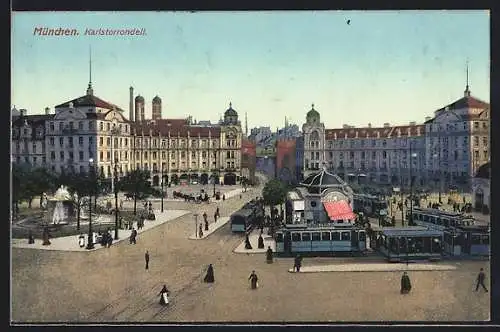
(339, 210)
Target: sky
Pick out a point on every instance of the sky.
(384, 66)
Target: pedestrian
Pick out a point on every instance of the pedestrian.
(215, 217)
(146, 258)
(223, 197)
(164, 295)
(121, 204)
(206, 225)
(205, 217)
(480, 280)
(217, 212)
(297, 264)
(200, 231)
(133, 236)
(247, 242)
(405, 283)
(31, 239)
(260, 243)
(81, 241)
(269, 255)
(253, 280)
(209, 277)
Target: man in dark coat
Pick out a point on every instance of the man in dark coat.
(205, 217)
(133, 236)
(247, 242)
(200, 231)
(480, 280)
(260, 242)
(269, 255)
(253, 280)
(146, 258)
(405, 283)
(297, 263)
(217, 212)
(209, 278)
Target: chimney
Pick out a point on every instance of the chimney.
(131, 105)
(387, 125)
(22, 112)
(413, 123)
(346, 126)
(369, 125)
(47, 111)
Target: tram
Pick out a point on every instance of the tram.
(439, 219)
(242, 221)
(320, 239)
(369, 205)
(404, 244)
(467, 240)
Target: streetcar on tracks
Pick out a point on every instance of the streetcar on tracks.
(369, 205)
(242, 221)
(320, 239)
(439, 219)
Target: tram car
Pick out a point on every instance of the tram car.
(467, 240)
(369, 205)
(439, 219)
(409, 243)
(242, 220)
(320, 239)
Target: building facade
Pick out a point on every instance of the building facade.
(441, 152)
(183, 151)
(285, 160)
(90, 132)
(248, 160)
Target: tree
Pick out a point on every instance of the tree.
(136, 184)
(83, 185)
(274, 193)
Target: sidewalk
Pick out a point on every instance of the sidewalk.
(254, 241)
(212, 227)
(375, 267)
(70, 243)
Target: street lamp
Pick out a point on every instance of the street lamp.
(436, 156)
(90, 242)
(162, 193)
(215, 155)
(196, 224)
(412, 155)
(116, 201)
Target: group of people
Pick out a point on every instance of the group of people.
(204, 226)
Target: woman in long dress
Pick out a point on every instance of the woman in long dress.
(405, 283)
(164, 295)
(253, 280)
(209, 278)
(269, 255)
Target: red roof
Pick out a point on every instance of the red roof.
(91, 101)
(466, 102)
(173, 127)
(382, 132)
(339, 210)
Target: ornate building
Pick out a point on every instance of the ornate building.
(377, 155)
(184, 151)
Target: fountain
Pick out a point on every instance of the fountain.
(62, 203)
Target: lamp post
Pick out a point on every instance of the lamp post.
(90, 242)
(195, 225)
(162, 192)
(436, 156)
(216, 169)
(116, 201)
(412, 155)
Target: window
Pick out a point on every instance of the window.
(476, 125)
(295, 237)
(80, 140)
(374, 155)
(362, 236)
(325, 236)
(51, 141)
(316, 236)
(61, 155)
(335, 236)
(51, 126)
(279, 237)
(52, 155)
(61, 141)
(313, 204)
(345, 236)
(101, 141)
(80, 154)
(306, 236)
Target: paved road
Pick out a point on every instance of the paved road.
(112, 285)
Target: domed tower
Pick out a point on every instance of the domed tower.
(156, 113)
(313, 117)
(230, 116)
(139, 108)
(314, 142)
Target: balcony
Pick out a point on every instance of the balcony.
(230, 169)
(70, 131)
